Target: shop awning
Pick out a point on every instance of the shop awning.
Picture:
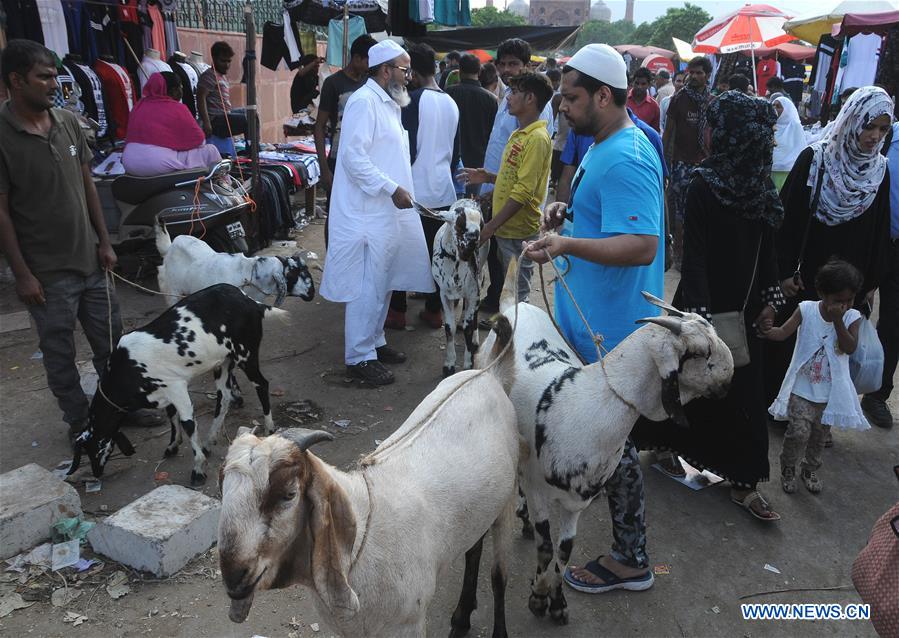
(540, 38)
(788, 50)
(868, 22)
(640, 52)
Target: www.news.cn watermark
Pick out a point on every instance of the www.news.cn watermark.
(805, 611)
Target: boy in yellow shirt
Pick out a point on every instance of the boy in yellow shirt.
(523, 176)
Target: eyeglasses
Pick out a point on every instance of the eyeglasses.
(405, 69)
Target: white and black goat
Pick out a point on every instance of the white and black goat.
(190, 264)
(215, 330)
(459, 269)
(576, 418)
(371, 544)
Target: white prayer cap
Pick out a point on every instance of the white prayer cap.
(384, 51)
(601, 62)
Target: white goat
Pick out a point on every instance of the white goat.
(576, 418)
(372, 543)
(457, 269)
(190, 264)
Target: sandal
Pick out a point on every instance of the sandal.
(610, 580)
(372, 372)
(749, 499)
(670, 464)
(386, 354)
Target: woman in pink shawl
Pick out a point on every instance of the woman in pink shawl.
(162, 134)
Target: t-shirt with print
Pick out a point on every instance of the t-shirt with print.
(523, 176)
(336, 90)
(683, 112)
(213, 82)
(616, 190)
(42, 178)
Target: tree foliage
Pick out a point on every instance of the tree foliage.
(493, 17)
(682, 22)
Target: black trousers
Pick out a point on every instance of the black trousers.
(888, 324)
(398, 301)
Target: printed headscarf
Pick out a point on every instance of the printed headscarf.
(852, 176)
(739, 169)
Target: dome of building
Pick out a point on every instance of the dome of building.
(600, 11)
(519, 8)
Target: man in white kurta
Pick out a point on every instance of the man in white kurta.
(375, 239)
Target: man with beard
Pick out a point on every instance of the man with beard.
(376, 243)
(615, 251)
(51, 225)
(640, 102)
(684, 142)
(512, 59)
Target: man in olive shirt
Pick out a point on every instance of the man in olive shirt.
(51, 224)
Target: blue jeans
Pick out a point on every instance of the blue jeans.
(67, 299)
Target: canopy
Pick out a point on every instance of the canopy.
(751, 27)
(869, 22)
(793, 51)
(684, 51)
(540, 38)
(656, 63)
(811, 26)
(640, 52)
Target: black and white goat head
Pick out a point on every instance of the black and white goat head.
(292, 279)
(458, 269)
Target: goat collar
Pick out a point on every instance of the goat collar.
(108, 400)
(367, 520)
(247, 282)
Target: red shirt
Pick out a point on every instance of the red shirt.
(647, 110)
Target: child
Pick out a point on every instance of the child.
(817, 392)
(523, 176)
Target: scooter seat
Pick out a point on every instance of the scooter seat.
(134, 190)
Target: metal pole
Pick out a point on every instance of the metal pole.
(346, 35)
(252, 118)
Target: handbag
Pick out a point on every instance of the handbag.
(731, 325)
(866, 363)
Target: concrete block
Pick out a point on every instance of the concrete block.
(31, 500)
(15, 321)
(159, 532)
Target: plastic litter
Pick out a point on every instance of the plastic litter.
(118, 585)
(40, 556)
(92, 486)
(37, 356)
(661, 570)
(314, 626)
(343, 424)
(67, 529)
(65, 554)
(84, 564)
(716, 609)
(772, 568)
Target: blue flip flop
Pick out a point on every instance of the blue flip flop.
(610, 580)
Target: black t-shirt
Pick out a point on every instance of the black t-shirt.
(336, 90)
(303, 90)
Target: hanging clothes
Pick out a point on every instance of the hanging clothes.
(370, 11)
(67, 90)
(293, 52)
(764, 70)
(53, 25)
(452, 13)
(888, 69)
(23, 20)
(793, 74)
(91, 94)
(157, 31)
(168, 9)
(422, 11)
(189, 80)
(355, 28)
(118, 94)
(399, 21)
(863, 51)
(82, 40)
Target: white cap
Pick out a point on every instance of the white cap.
(384, 51)
(601, 62)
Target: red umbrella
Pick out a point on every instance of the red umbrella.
(482, 55)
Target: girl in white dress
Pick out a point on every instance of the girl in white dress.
(817, 391)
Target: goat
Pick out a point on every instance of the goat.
(214, 329)
(576, 418)
(190, 264)
(456, 268)
(372, 543)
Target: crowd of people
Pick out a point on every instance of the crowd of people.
(780, 245)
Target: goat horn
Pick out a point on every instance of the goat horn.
(661, 303)
(303, 438)
(672, 323)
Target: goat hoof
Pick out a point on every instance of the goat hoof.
(448, 371)
(559, 615)
(527, 530)
(538, 604)
(197, 478)
(170, 451)
(457, 631)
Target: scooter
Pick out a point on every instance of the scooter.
(204, 203)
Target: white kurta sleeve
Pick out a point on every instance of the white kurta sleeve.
(359, 120)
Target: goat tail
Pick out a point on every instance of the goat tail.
(270, 312)
(163, 241)
(502, 355)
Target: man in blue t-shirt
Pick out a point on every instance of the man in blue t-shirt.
(616, 251)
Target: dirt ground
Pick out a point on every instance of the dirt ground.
(714, 553)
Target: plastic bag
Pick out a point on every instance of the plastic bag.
(866, 363)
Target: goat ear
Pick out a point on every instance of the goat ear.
(661, 303)
(303, 438)
(280, 284)
(333, 527)
(667, 352)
